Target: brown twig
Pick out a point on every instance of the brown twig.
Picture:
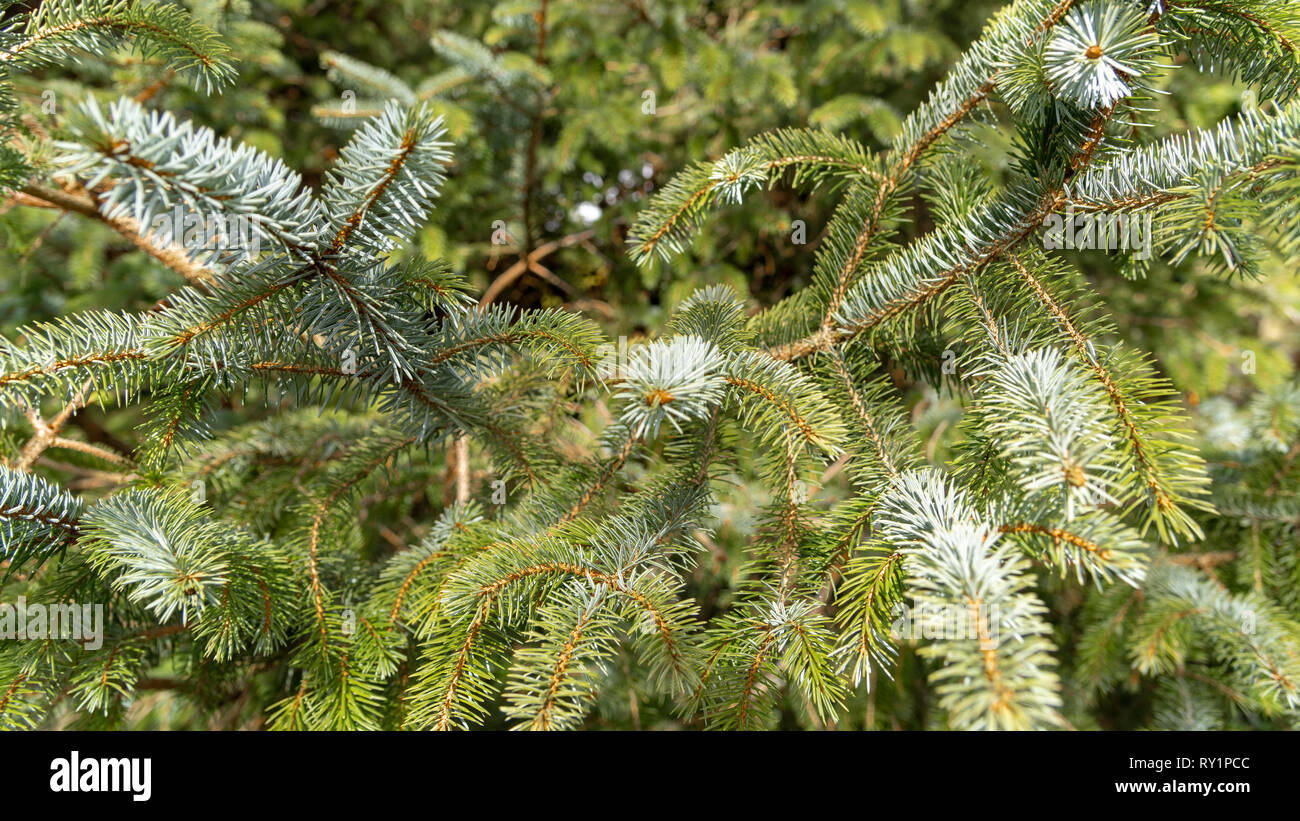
(79, 201)
(526, 263)
(48, 432)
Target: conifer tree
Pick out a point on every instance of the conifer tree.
(566, 118)
(267, 549)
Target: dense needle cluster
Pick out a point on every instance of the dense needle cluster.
(232, 557)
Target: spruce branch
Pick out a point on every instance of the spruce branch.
(81, 202)
(155, 30)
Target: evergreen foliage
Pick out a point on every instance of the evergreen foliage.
(274, 545)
